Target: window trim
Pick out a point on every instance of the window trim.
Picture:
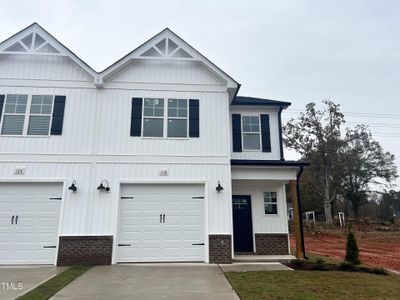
(27, 115)
(243, 132)
(165, 118)
(274, 203)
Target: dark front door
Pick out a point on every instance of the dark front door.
(242, 224)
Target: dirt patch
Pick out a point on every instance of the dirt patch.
(380, 249)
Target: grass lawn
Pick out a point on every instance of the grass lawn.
(314, 285)
(52, 286)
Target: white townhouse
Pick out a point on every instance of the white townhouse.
(154, 159)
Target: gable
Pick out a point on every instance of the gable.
(169, 49)
(33, 46)
(166, 71)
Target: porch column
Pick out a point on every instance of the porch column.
(296, 218)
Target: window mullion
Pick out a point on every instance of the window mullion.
(27, 114)
(165, 118)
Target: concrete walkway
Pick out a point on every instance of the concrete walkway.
(18, 280)
(150, 281)
(249, 267)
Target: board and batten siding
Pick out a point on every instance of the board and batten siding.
(96, 144)
(91, 212)
(40, 67)
(274, 131)
(263, 223)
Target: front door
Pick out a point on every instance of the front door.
(242, 224)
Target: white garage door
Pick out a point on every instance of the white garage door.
(29, 220)
(161, 223)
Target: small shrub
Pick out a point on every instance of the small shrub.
(352, 251)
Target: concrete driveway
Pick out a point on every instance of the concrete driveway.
(18, 280)
(150, 281)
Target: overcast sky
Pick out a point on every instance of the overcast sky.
(298, 51)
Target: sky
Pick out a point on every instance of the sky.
(298, 51)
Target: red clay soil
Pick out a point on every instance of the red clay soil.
(380, 249)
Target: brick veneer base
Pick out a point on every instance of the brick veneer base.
(271, 244)
(220, 248)
(89, 250)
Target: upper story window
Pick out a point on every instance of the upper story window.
(165, 118)
(177, 118)
(251, 133)
(27, 115)
(153, 117)
(270, 203)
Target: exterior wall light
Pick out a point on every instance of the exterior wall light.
(73, 187)
(219, 187)
(104, 187)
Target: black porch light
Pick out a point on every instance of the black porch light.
(73, 187)
(105, 187)
(219, 187)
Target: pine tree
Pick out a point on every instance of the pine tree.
(352, 251)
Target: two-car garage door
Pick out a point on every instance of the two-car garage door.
(161, 223)
(29, 222)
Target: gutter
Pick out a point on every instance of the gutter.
(280, 132)
(300, 210)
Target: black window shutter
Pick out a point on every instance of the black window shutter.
(58, 115)
(237, 132)
(265, 134)
(1, 105)
(136, 117)
(194, 118)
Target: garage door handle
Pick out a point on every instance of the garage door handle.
(16, 220)
(198, 244)
(163, 218)
(48, 247)
(12, 220)
(160, 218)
(124, 245)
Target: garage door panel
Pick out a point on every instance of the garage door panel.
(169, 240)
(38, 221)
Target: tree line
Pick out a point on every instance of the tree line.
(347, 165)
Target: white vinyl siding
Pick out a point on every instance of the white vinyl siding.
(251, 133)
(18, 120)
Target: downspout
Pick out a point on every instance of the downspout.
(280, 132)
(300, 210)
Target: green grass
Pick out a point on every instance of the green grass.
(53, 285)
(314, 285)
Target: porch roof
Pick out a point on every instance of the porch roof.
(270, 163)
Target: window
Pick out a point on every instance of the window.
(14, 114)
(177, 118)
(162, 117)
(18, 120)
(251, 133)
(270, 203)
(40, 115)
(153, 117)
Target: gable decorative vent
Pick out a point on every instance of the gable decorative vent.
(166, 48)
(32, 44)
